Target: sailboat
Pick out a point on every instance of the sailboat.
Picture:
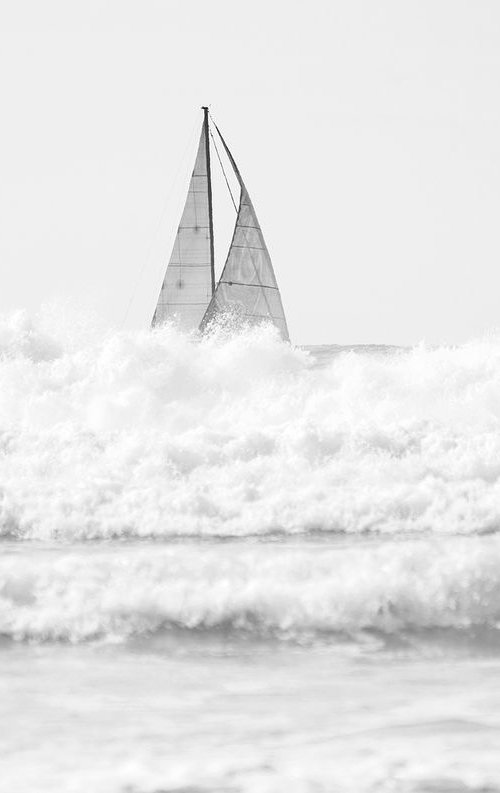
(246, 291)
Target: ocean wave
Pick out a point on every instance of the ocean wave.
(157, 434)
(261, 590)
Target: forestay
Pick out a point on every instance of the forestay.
(187, 288)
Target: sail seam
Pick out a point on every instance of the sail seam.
(250, 247)
(245, 283)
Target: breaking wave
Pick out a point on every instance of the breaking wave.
(258, 589)
(155, 434)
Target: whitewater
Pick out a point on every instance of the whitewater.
(230, 564)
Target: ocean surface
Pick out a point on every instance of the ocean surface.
(231, 565)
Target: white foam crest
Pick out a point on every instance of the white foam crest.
(264, 589)
(158, 433)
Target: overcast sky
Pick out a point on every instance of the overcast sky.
(368, 132)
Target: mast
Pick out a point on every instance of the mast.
(210, 210)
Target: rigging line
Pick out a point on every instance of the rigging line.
(223, 171)
(166, 205)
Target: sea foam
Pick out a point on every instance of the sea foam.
(160, 434)
(258, 589)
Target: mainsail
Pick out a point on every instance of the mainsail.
(247, 286)
(189, 280)
(247, 290)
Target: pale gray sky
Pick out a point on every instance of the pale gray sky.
(368, 133)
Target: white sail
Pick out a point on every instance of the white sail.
(188, 284)
(247, 286)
